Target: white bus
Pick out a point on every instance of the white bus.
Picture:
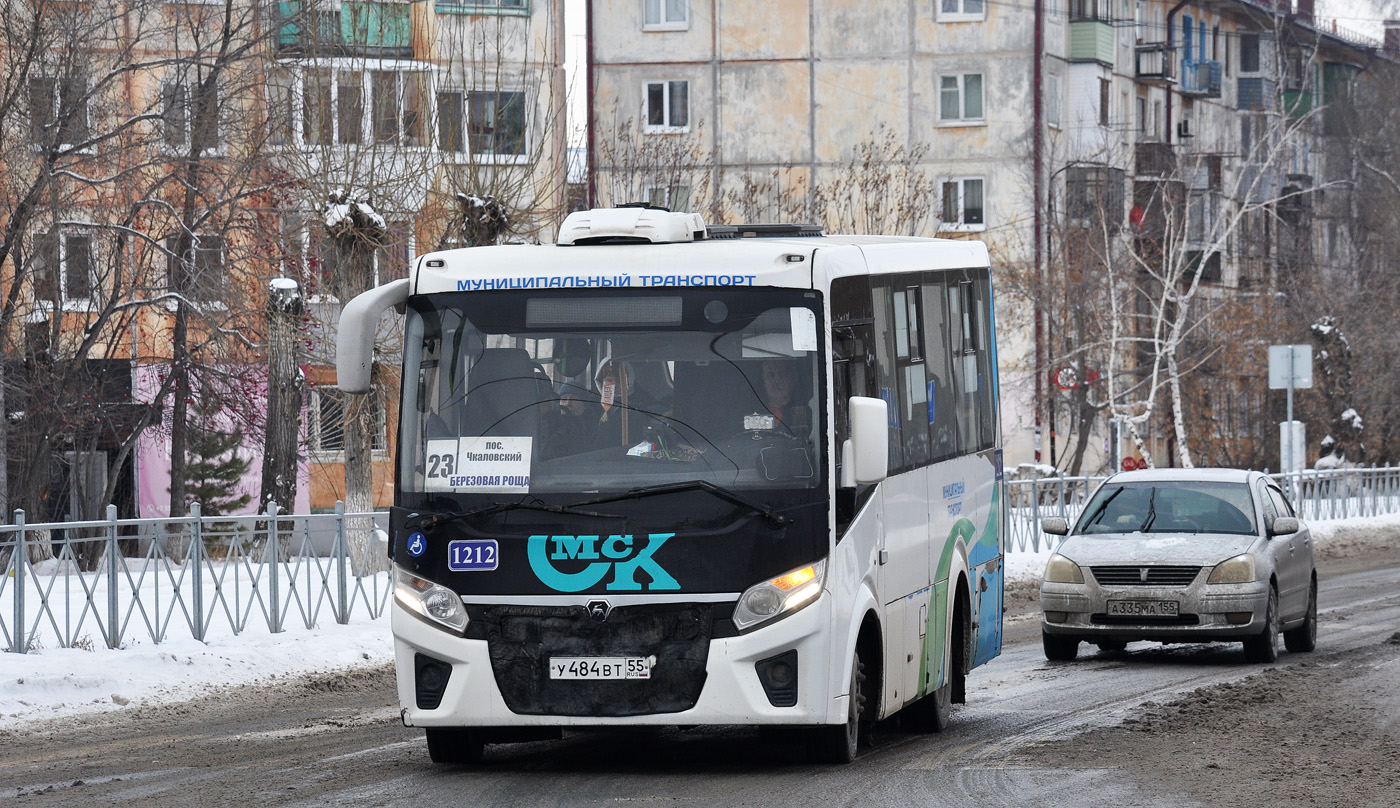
(665, 474)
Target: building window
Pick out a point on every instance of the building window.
(319, 106)
(188, 117)
(1052, 100)
(960, 98)
(671, 197)
(1105, 96)
(1090, 11)
(452, 115)
(481, 7)
(496, 123)
(963, 205)
(58, 103)
(667, 106)
(64, 271)
(1249, 53)
(961, 10)
(666, 15)
(194, 266)
(326, 427)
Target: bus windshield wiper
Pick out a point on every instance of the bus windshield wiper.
(434, 519)
(773, 517)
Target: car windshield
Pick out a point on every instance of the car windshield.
(1170, 507)
(558, 391)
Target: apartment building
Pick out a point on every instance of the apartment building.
(1053, 130)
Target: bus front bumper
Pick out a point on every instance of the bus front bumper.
(732, 692)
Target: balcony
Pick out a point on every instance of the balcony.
(1155, 160)
(1297, 103)
(1256, 93)
(1201, 78)
(1091, 41)
(1154, 63)
(380, 30)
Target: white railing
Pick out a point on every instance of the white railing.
(116, 581)
(1317, 495)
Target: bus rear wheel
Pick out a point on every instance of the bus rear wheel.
(455, 746)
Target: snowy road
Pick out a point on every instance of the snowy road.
(336, 740)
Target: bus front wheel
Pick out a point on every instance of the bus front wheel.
(839, 743)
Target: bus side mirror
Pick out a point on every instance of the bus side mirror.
(867, 453)
(359, 323)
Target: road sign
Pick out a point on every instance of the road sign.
(1290, 366)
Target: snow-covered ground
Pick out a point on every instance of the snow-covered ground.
(51, 682)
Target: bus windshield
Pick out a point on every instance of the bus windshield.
(581, 391)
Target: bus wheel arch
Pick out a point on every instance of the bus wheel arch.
(840, 743)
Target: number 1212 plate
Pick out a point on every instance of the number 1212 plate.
(599, 668)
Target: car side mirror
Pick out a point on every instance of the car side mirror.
(1284, 526)
(1055, 525)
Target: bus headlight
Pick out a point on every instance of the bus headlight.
(1237, 570)
(430, 601)
(782, 595)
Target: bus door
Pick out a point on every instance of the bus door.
(904, 574)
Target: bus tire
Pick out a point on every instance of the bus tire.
(930, 713)
(839, 743)
(455, 745)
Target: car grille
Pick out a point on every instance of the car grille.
(1156, 576)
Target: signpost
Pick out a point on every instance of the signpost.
(1290, 366)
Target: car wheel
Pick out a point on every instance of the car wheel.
(1263, 647)
(839, 744)
(1058, 648)
(1111, 646)
(1304, 637)
(455, 746)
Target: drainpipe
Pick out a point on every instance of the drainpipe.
(1171, 51)
(1037, 163)
(592, 154)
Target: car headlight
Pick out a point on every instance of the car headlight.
(779, 596)
(428, 600)
(1060, 570)
(1237, 570)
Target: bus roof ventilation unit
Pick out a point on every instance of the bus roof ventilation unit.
(641, 225)
(725, 231)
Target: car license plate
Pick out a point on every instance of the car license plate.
(1143, 608)
(599, 668)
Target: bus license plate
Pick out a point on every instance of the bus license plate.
(599, 668)
(1143, 608)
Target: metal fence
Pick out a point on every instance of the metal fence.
(1317, 495)
(116, 581)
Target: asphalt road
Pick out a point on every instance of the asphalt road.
(337, 740)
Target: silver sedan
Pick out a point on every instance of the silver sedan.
(1181, 555)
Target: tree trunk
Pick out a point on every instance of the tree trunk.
(356, 258)
(284, 397)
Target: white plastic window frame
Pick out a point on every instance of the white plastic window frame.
(493, 158)
(960, 226)
(297, 68)
(64, 302)
(960, 15)
(666, 111)
(220, 145)
(669, 195)
(663, 23)
(208, 303)
(962, 119)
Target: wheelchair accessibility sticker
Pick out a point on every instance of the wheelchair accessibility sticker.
(417, 544)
